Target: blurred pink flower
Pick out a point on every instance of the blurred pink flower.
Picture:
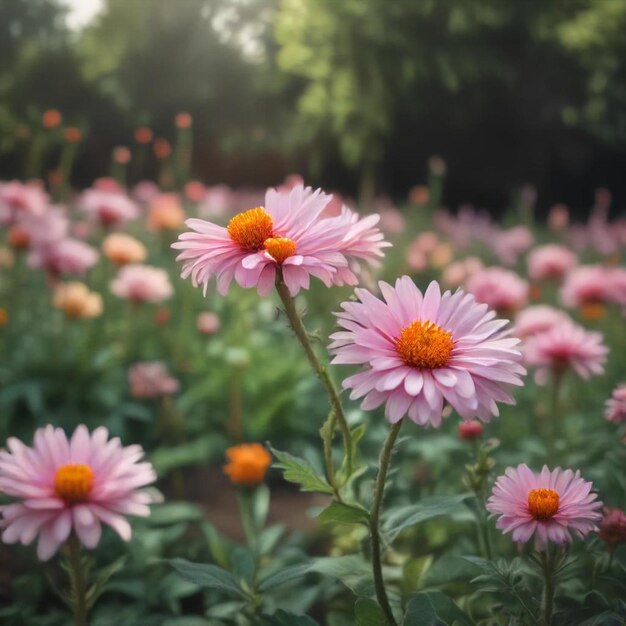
(549, 505)
(564, 347)
(19, 199)
(108, 184)
(586, 284)
(558, 217)
(419, 351)
(509, 244)
(616, 287)
(615, 410)
(287, 233)
(537, 319)
(613, 527)
(142, 283)
(145, 191)
(550, 262)
(391, 220)
(108, 207)
(195, 191)
(122, 249)
(151, 379)
(500, 289)
(66, 256)
(71, 486)
(165, 212)
(218, 200)
(207, 323)
(458, 273)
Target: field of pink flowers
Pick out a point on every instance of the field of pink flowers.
(251, 407)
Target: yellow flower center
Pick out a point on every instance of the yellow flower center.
(251, 228)
(280, 248)
(425, 345)
(543, 503)
(73, 482)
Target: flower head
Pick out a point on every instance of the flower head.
(110, 207)
(469, 430)
(70, 485)
(563, 347)
(122, 249)
(550, 262)
(142, 283)
(585, 286)
(500, 289)
(247, 463)
(76, 301)
(65, 256)
(166, 213)
(289, 233)
(207, 323)
(420, 351)
(19, 199)
(151, 379)
(616, 405)
(548, 505)
(613, 527)
(537, 319)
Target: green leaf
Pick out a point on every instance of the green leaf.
(403, 517)
(367, 612)
(433, 609)
(352, 570)
(207, 575)
(282, 618)
(450, 569)
(343, 513)
(199, 450)
(283, 576)
(300, 472)
(219, 546)
(170, 513)
(243, 565)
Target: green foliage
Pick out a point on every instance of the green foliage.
(433, 609)
(300, 472)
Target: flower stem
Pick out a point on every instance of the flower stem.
(548, 588)
(379, 490)
(555, 414)
(303, 337)
(78, 583)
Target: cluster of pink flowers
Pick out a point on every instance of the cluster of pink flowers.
(151, 379)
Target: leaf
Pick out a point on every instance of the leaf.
(450, 569)
(173, 513)
(400, 518)
(300, 472)
(367, 612)
(207, 575)
(282, 618)
(343, 513)
(432, 609)
(199, 450)
(283, 576)
(243, 565)
(352, 570)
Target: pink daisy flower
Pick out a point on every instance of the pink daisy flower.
(537, 319)
(67, 256)
(616, 405)
(288, 232)
(564, 347)
(510, 243)
(420, 351)
(550, 262)
(109, 207)
(548, 505)
(71, 485)
(585, 285)
(19, 199)
(142, 283)
(151, 379)
(500, 289)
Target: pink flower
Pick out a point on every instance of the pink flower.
(456, 274)
(537, 319)
(142, 283)
(558, 217)
(207, 323)
(585, 285)
(67, 256)
(613, 527)
(150, 379)
(145, 191)
(421, 350)
(64, 486)
(218, 200)
(509, 244)
(288, 233)
(500, 289)
(19, 199)
(550, 262)
(548, 505)
(564, 347)
(470, 430)
(110, 207)
(616, 287)
(616, 405)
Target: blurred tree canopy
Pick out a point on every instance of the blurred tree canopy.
(356, 93)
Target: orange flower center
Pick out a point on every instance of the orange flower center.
(543, 503)
(593, 311)
(251, 228)
(73, 482)
(280, 248)
(425, 345)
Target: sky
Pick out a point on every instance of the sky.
(81, 12)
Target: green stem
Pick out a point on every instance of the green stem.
(77, 582)
(320, 370)
(554, 419)
(379, 490)
(548, 588)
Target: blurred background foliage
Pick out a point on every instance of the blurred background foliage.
(355, 95)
